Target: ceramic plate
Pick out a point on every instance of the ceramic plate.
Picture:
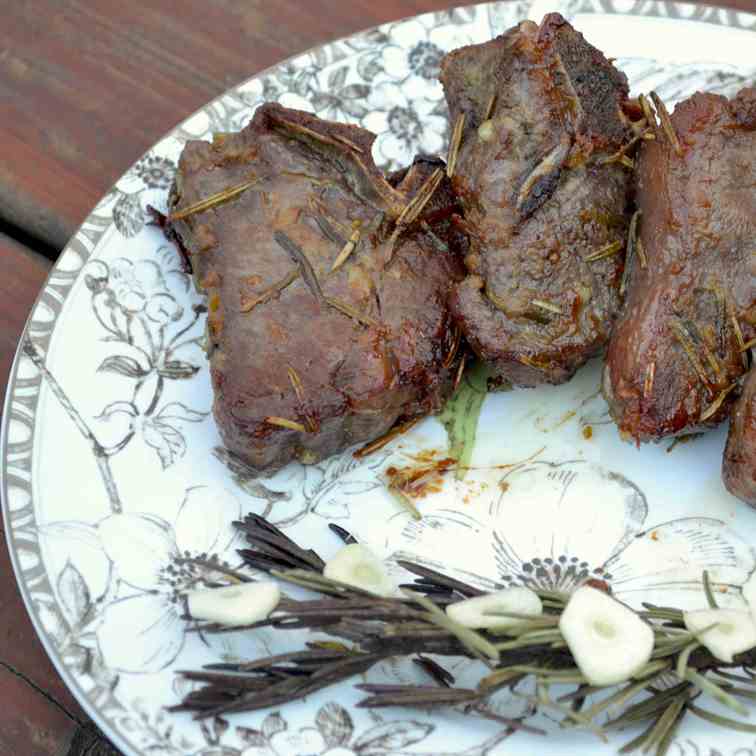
(112, 469)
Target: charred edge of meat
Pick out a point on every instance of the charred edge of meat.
(366, 181)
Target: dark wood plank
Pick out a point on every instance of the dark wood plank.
(86, 86)
(22, 273)
(30, 723)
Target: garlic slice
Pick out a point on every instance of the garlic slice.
(608, 641)
(233, 605)
(357, 566)
(479, 612)
(733, 633)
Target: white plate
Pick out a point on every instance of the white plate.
(118, 324)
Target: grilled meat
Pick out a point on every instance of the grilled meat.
(545, 193)
(739, 462)
(677, 350)
(327, 285)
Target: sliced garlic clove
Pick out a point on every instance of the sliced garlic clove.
(481, 611)
(733, 633)
(233, 605)
(608, 641)
(359, 567)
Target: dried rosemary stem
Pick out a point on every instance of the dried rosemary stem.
(297, 255)
(417, 204)
(686, 342)
(386, 438)
(347, 250)
(713, 408)
(249, 304)
(648, 383)
(212, 201)
(454, 144)
(367, 629)
(609, 250)
(548, 306)
(666, 123)
(351, 312)
(283, 422)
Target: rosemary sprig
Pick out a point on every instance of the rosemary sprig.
(490, 105)
(454, 144)
(648, 381)
(284, 422)
(328, 230)
(730, 724)
(346, 309)
(459, 373)
(548, 306)
(621, 155)
(211, 201)
(648, 111)
(347, 250)
(733, 317)
(332, 139)
(386, 438)
(366, 629)
(707, 590)
(296, 382)
(296, 253)
(429, 577)
(413, 695)
(342, 533)
(634, 245)
(248, 304)
(452, 353)
(432, 668)
(608, 250)
(416, 205)
(685, 340)
(666, 122)
(474, 642)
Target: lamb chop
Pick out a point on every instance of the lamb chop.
(739, 462)
(678, 349)
(541, 172)
(327, 285)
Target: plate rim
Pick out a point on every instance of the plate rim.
(701, 13)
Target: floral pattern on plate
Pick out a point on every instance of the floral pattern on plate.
(612, 545)
(113, 472)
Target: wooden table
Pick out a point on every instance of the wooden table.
(86, 86)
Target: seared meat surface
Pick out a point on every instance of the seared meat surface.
(677, 351)
(545, 198)
(739, 462)
(328, 322)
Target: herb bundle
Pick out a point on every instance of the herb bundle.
(366, 628)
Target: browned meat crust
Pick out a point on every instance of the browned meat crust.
(739, 462)
(306, 360)
(545, 207)
(677, 350)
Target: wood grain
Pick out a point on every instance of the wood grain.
(22, 273)
(86, 86)
(32, 724)
(84, 93)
